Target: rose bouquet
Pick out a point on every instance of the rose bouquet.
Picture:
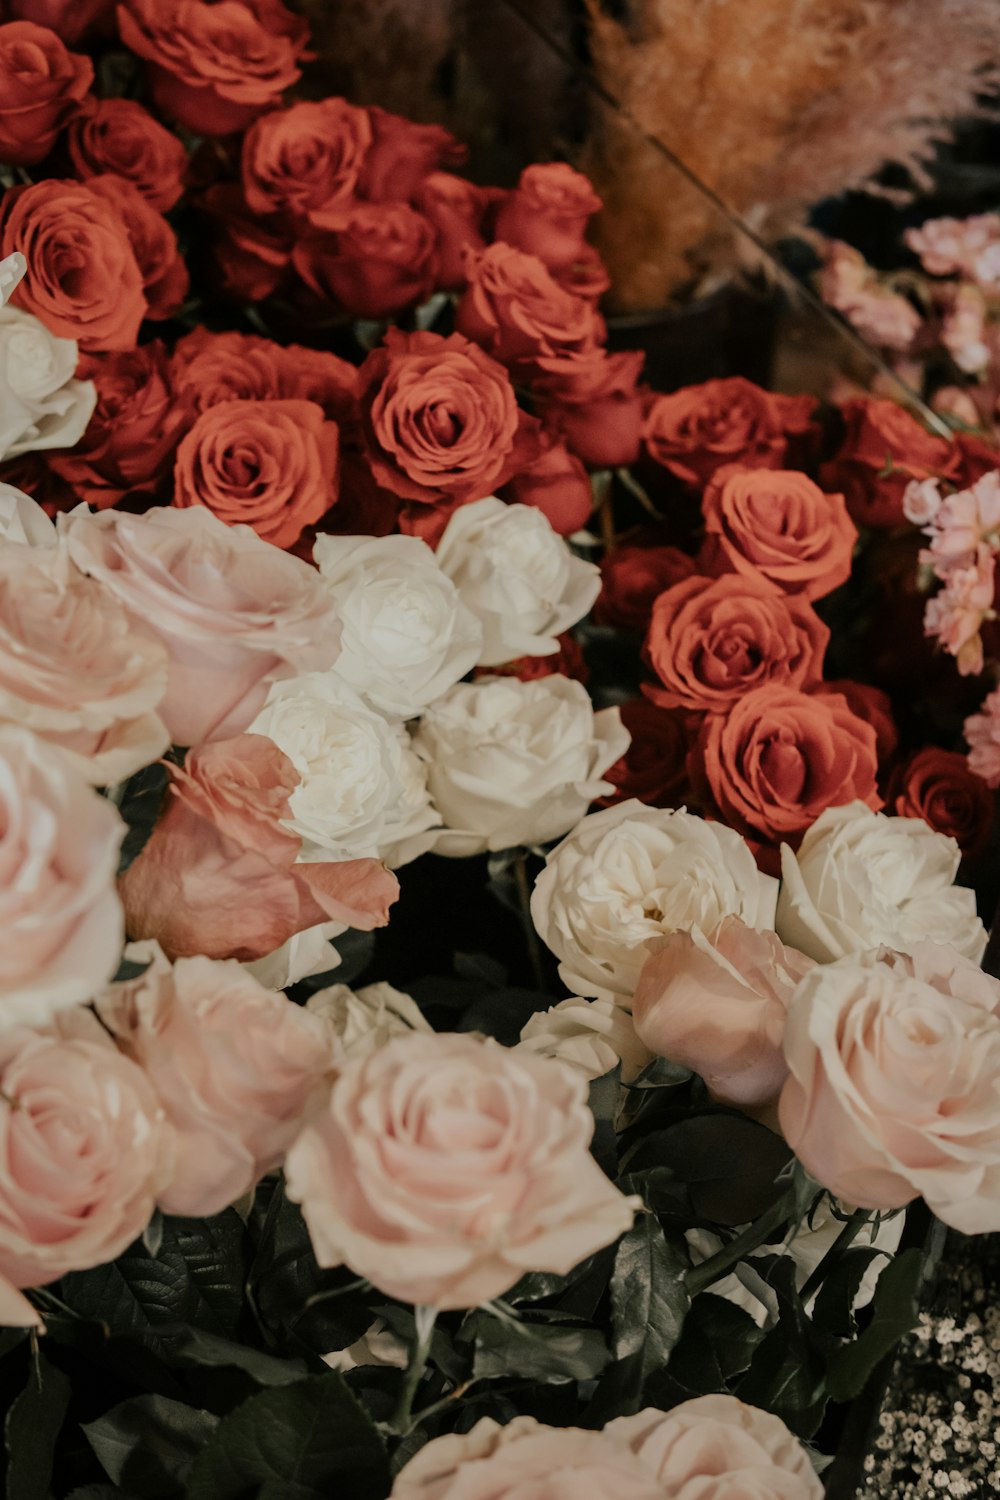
(489, 952)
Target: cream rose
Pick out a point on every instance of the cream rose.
(512, 762)
(236, 1066)
(74, 668)
(407, 636)
(361, 790)
(861, 878)
(61, 924)
(518, 576)
(892, 1093)
(234, 613)
(84, 1150)
(12, 269)
(41, 404)
(23, 520)
(362, 1021)
(591, 1035)
(632, 873)
(306, 953)
(444, 1167)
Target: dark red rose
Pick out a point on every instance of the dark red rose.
(120, 137)
(306, 159)
(653, 767)
(456, 208)
(695, 431)
(252, 254)
(214, 67)
(632, 578)
(938, 786)
(154, 244)
(883, 448)
(568, 661)
(977, 458)
(70, 19)
(441, 421)
(382, 258)
(515, 311)
(129, 444)
(33, 474)
(41, 87)
(556, 484)
(547, 213)
(595, 404)
(402, 154)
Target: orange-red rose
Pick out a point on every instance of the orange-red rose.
(272, 465)
(251, 254)
(595, 404)
(556, 484)
(84, 281)
(213, 67)
(41, 86)
(306, 159)
(710, 642)
(130, 441)
(154, 245)
(456, 208)
(441, 420)
(780, 757)
(883, 448)
(693, 432)
(632, 578)
(938, 786)
(70, 19)
(515, 311)
(402, 153)
(121, 137)
(547, 213)
(777, 525)
(377, 259)
(212, 367)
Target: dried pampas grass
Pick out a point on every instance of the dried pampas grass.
(775, 104)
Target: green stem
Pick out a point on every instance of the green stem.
(859, 1218)
(424, 1319)
(758, 1233)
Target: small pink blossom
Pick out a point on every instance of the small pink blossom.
(954, 401)
(948, 245)
(960, 524)
(956, 614)
(921, 501)
(982, 731)
(964, 329)
(850, 285)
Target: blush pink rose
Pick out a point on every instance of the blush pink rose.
(718, 1448)
(219, 876)
(61, 922)
(234, 613)
(235, 1065)
(717, 1003)
(74, 669)
(445, 1167)
(892, 1093)
(84, 1150)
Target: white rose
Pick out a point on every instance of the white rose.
(23, 520)
(513, 762)
(406, 636)
(518, 576)
(354, 797)
(12, 269)
(631, 873)
(591, 1035)
(364, 1020)
(41, 405)
(307, 952)
(861, 879)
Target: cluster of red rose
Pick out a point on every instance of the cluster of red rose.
(330, 213)
(775, 506)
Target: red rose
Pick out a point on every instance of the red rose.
(547, 213)
(594, 403)
(441, 420)
(154, 244)
(586, 276)
(130, 441)
(883, 448)
(70, 19)
(632, 578)
(41, 86)
(83, 279)
(120, 137)
(778, 525)
(977, 458)
(938, 786)
(711, 642)
(693, 432)
(32, 473)
(272, 465)
(515, 311)
(557, 485)
(252, 255)
(456, 208)
(213, 367)
(779, 758)
(653, 767)
(381, 257)
(213, 68)
(305, 159)
(402, 154)
(568, 661)
(872, 705)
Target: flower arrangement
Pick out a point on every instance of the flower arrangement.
(488, 955)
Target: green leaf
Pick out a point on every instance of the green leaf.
(603, 1100)
(197, 1347)
(149, 1444)
(534, 1351)
(442, 1353)
(309, 1441)
(649, 1300)
(788, 1370)
(730, 1163)
(31, 1427)
(140, 807)
(717, 1343)
(894, 1312)
(833, 1308)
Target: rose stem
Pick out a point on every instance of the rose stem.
(424, 1319)
(857, 1221)
(757, 1233)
